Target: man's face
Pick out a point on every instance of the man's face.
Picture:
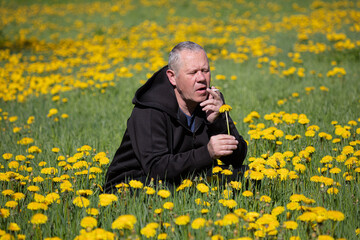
(192, 77)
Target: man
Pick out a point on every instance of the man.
(175, 129)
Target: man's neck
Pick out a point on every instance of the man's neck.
(187, 108)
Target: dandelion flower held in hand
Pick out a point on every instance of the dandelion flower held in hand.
(226, 108)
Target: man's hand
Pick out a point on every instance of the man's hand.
(212, 105)
(221, 145)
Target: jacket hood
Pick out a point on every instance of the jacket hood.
(157, 93)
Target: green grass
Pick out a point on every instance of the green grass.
(98, 115)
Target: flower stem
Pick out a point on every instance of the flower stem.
(227, 122)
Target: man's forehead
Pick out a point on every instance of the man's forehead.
(186, 57)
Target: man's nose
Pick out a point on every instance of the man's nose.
(200, 76)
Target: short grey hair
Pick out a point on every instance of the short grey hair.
(174, 56)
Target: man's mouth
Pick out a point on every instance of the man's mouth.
(201, 90)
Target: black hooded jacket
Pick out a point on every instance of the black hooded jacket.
(158, 142)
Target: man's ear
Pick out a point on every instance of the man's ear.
(171, 76)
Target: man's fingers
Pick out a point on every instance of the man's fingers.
(208, 102)
(209, 108)
(224, 137)
(215, 93)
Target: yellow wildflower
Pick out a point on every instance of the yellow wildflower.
(107, 199)
(168, 205)
(202, 188)
(164, 193)
(81, 202)
(39, 218)
(13, 227)
(182, 220)
(88, 222)
(198, 223)
(124, 222)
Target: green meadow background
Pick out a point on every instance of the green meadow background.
(289, 69)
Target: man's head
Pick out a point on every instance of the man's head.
(174, 56)
(189, 73)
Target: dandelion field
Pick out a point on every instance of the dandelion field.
(289, 69)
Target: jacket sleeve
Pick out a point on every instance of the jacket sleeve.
(219, 126)
(148, 132)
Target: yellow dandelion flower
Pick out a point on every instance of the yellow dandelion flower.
(33, 188)
(307, 217)
(325, 237)
(265, 198)
(201, 187)
(7, 156)
(107, 199)
(231, 203)
(13, 164)
(217, 237)
(30, 120)
(4, 213)
(124, 222)
(227, 193)
(332, 190)
(162, 236)
(52, 112)
(164, 193)
(11, 204)
(81, 202)
(92, 211)
(204, 210)
(335, 215)
(247, 194)
(20, 158)
(168, 205)
(256, 175)
(66, 186)
(216, 169)
(149, 190)
(182, 220)
(347, 150)
(293, 206)
(88, 222)
(226, 172)
(235, 185)
(34, 149)
(37, 206)
(39, 218)
(25, 141)
(198, 223)
(277, 210)
(290, 225)
(148, 232)
(158, 210)
(240, 212)
(13, 227)
(18, 196)
(230, 219)
(55, 150)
